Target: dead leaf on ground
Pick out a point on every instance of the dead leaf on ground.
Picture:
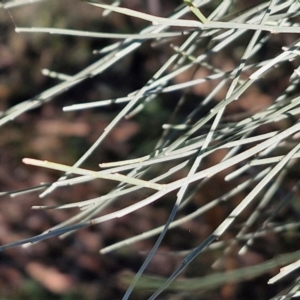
(50, 278)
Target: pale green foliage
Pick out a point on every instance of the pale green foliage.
(248, 143)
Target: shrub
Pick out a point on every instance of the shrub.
(217, 145)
